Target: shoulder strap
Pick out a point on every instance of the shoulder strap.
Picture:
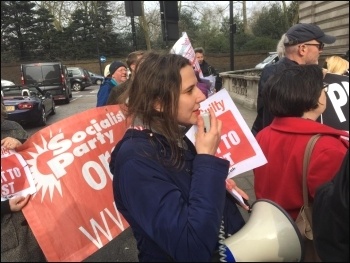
(307, 155)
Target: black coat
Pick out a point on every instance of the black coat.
(330, 217)
(208, 70)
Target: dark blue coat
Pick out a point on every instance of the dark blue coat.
(174, 214)
(104, 90)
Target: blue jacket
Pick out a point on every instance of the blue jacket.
(105, 89)
(175, 215)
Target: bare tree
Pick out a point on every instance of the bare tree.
(144, 26)
(61, 11)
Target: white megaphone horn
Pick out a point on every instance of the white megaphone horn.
(270, 235)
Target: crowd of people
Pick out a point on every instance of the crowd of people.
(173, 193)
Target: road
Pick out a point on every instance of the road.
(123, 247)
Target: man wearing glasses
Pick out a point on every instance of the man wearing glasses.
(116, 75)
(303, 45)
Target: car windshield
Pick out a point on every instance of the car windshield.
(269, 58)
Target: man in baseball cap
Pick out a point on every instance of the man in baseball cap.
(116, 75)
(301, 33)
(303, 44)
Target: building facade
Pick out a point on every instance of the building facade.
(333, 18)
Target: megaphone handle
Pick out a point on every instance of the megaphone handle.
(239, 199)
(247, 204)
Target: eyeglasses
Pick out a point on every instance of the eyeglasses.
(325, 86)
(320, 46)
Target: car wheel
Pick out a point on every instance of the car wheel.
(98, 82)
(43, 120)
(53, 111)
(77, 86)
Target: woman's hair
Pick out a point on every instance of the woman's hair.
(294, 91)
(336, 65)
(157, 83)
(133, 57)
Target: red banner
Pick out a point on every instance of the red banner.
(73, 213)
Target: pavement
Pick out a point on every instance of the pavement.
(123, 248)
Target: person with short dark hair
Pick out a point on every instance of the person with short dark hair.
(296, 97)
(207, 69)
(303, 45)
(172, 192)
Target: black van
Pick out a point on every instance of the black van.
(50, 76)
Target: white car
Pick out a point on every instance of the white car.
(271, 59)
(5, 83)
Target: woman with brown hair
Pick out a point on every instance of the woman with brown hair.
(171, 192)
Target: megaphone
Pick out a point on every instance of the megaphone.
(270, 235)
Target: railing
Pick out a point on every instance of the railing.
(242, 86)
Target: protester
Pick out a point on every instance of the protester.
(117, 75)
(331, 217)
(336, 114)
(303, 45)
(116, 91)
(171, 192)
(206, 69)
(296, 97)
(17, 240)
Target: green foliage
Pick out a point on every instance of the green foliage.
(270, 23)
(259, 43)
(293, 13)
(28, 32)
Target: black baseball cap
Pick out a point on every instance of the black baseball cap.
(301, 33)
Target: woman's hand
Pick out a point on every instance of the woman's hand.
(18, 202)
(231, 185)
(10, 143)
(208, 142)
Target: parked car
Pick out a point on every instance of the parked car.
(271, 59)
(79, 78)
(95, 78)
(5, 83)
(29, 104)
(49, 76)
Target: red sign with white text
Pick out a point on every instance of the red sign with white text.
(14, 171)
(73, 213)
(233, 137)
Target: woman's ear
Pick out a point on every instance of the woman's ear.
(157, 106)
